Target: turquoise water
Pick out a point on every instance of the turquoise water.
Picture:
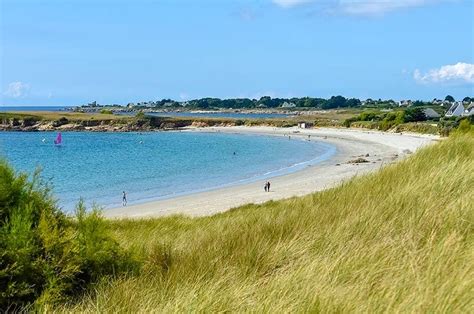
(150, 166)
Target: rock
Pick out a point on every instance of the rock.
(367, 155)
(359, 160)
(407, 151)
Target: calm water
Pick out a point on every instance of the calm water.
(33, 108)
(232, 115)
(99, 166)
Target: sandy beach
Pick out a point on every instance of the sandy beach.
(378, 148)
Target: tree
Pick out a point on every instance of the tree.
(353, 102)
(449, 98)
(334, 102)
(467, 99)
(414, 115)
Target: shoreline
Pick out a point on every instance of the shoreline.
(381, 147)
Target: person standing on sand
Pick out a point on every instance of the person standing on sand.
(265, 187)
(124, 198)
(268, 186)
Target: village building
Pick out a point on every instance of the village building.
(456, 110)
(305, 125)
(430, 113)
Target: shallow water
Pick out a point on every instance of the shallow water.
(150, 166)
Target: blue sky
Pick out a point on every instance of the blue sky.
(71, 52)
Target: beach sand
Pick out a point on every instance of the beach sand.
(382, 148)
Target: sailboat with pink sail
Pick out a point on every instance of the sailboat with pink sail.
(58, 139)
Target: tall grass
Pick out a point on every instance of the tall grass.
(398, 240)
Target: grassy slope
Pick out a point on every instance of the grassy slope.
(399, 240)
(56, 115)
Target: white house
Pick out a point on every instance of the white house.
(456, 110)
(305, 125)
(469, 110)
(288, 105)
(404, 103)
(430, 113)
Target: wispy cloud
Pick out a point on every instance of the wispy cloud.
(291, 3)
(17, 90)
(359, 7)
(453, 73)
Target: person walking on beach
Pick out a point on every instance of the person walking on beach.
(268, 186)
(124, 198)
(265, 187)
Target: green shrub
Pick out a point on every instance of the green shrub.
(60, 121)
(140, 115)
(44, 254)
(106, 111)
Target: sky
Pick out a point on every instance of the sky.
(71, 52)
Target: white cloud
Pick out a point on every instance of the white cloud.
(453, 73)
(17, 89)
(291, 3)
(379, 7)
(360, 7)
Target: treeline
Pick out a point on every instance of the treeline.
(263, 102)
(333, 102)
(241, 103)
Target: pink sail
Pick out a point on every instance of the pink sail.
(58, 139)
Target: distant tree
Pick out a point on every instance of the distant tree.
(353, 102)
(418, 103)
(467, 99)
(334, 102)
(449, 98)
(414, 115)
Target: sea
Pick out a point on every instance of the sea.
(32, 108)
(153, 165)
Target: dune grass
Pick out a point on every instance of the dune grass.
(399, 240)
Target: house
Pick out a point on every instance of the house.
(305, 125)
(430, 113)
(438, 102)
(447, 104)
(288, 105)
(404, 103)
(469, 110)
(456, 110)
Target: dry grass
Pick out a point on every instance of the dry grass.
(72, 116)
(400, 240)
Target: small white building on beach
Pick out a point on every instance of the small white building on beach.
(305, 125)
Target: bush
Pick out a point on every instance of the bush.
(60, 121)
(44, 254)
(140, 115)
(106, 111)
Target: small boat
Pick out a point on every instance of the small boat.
(58, 139)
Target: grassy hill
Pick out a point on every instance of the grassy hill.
(397, 240)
